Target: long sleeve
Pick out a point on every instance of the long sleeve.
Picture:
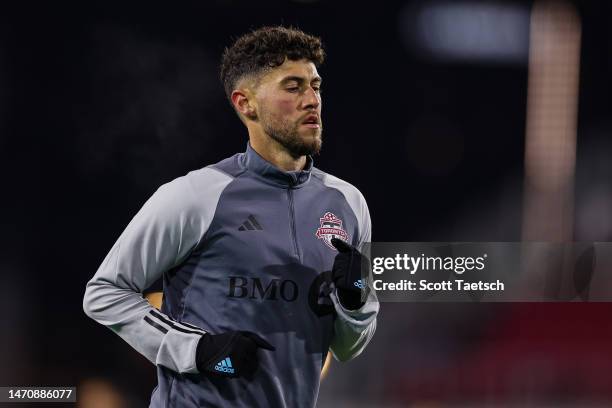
(161, 236)
(353, 329)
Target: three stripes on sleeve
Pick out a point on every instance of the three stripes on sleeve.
(182, 327)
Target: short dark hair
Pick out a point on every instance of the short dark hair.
(266, 48)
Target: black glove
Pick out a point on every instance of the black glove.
(230, 354)
(347, 276)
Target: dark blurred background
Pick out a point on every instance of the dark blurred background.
(436, 110)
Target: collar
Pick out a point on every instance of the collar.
(260, 166)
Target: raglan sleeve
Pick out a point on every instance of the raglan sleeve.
(353, 329)
(161, 235)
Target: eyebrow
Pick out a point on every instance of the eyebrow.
(300, 80)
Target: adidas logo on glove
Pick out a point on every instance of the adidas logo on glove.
(225, 366)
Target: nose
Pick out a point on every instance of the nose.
(311, 100)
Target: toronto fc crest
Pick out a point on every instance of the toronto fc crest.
(331, 227)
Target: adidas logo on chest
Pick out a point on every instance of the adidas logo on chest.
(250, 224)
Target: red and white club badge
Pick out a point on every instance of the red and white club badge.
(331, 227)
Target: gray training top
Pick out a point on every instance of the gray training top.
(241, 245)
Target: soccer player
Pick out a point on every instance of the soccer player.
(259, 253)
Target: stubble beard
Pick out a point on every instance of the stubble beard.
(287, 135)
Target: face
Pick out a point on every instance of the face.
(288, 104)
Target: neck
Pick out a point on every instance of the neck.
(275, 153)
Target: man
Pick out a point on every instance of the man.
(257, 252)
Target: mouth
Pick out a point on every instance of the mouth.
(312, 121)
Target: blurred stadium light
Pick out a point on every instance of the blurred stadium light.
(467, 31)
(552, 110)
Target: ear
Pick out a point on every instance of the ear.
(244, 105)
